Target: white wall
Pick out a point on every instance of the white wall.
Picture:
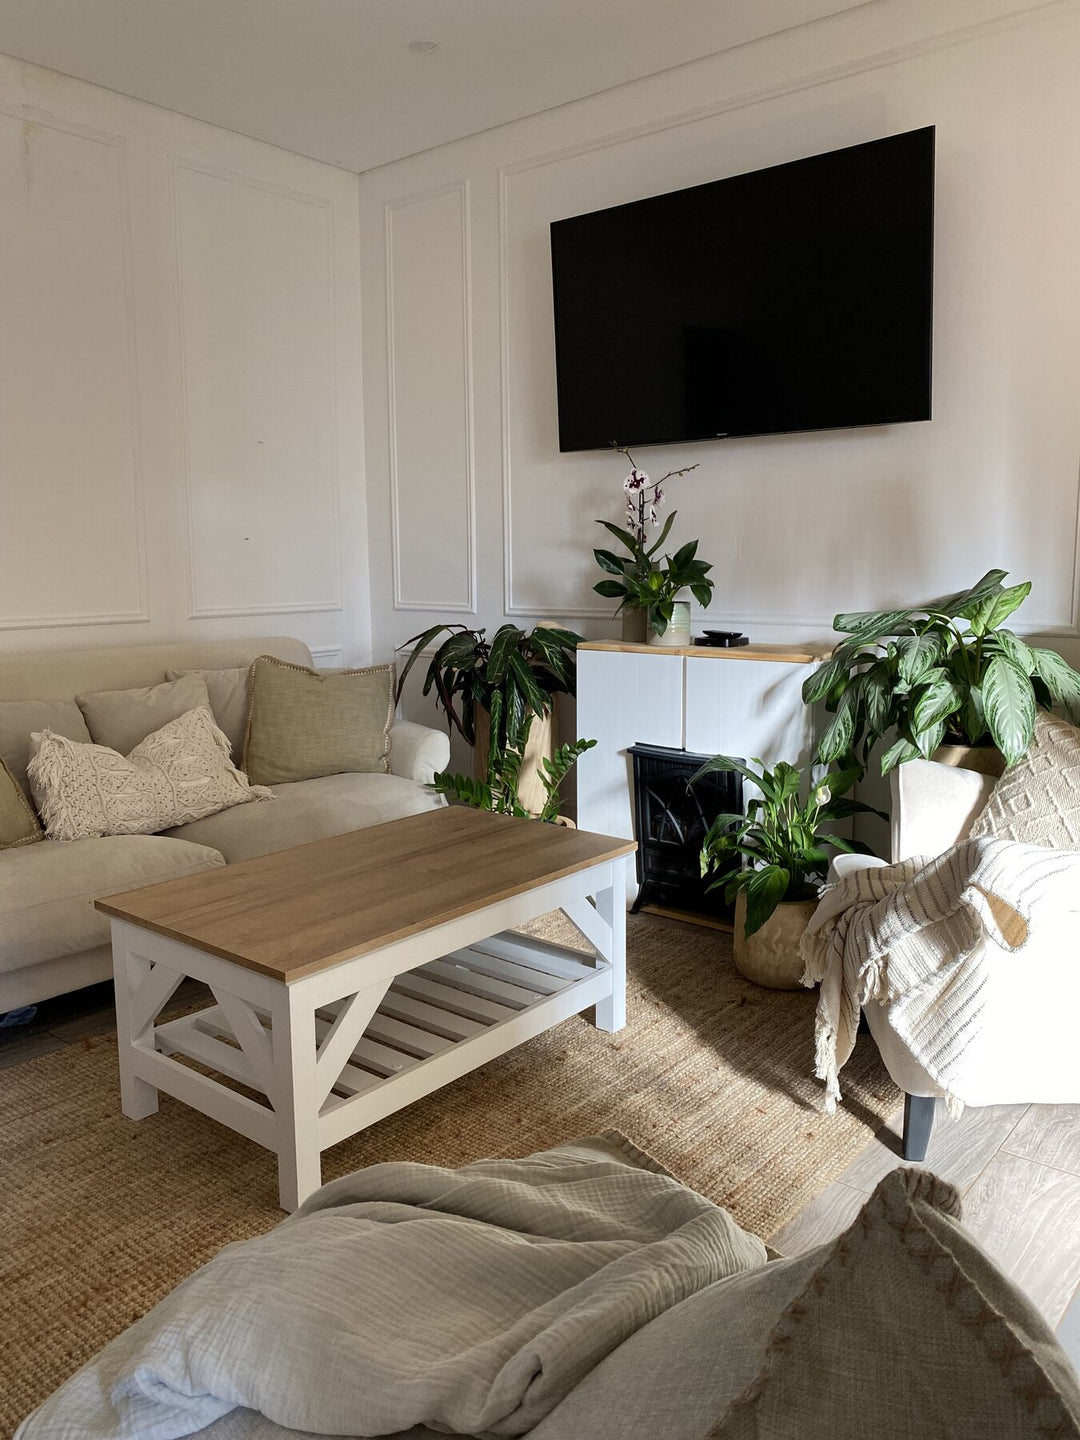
(474, 512)
(181, 433)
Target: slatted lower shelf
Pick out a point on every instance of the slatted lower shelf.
(441, 1007)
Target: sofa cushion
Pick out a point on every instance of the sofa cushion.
(47, 891)
(122, 719)
(19, 718)
(309, 810)
(302, 724)
(228, 690)
(1037, 800)
(180, 773)
(19, 824)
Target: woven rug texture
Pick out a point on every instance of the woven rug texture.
(102, 1216)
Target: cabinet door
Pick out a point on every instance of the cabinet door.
(622, 697)
(748, 708)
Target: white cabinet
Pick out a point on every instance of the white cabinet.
(745, 702)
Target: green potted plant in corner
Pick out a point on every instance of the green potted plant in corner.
(772, 861)
(651, 594)
(500, 695)
(944, 673)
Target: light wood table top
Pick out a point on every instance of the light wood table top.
(808, 654)
(298, 911)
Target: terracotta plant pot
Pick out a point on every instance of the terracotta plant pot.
(983, 759)
(771, 957)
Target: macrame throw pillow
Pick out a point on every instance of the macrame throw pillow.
(1037, 800)
(180, 773)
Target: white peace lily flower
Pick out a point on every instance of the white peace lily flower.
(822, 795)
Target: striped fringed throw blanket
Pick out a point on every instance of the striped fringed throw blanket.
(912, 936)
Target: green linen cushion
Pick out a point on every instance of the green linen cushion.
(1037, 800)
(18, 721)
(122, 719)
(302, 724)
(228, 691)
(19, 824)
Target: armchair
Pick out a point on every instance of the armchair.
(1026, 1050)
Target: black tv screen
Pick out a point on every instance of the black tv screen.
(794, 298)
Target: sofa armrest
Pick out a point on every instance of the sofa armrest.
(934, 806)
(417, 751)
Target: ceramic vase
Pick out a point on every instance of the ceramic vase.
(770, 956)
(678, 629)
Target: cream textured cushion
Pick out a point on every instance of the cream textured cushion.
(1037, 800)
(20, 718)
(181, 772)
(302, 724)
(122, 719)
(47, 891)
(310, 810)
(19, 825)
(228, 690)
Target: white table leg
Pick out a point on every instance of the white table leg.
(611, 907)
(295, 1098)
(138, 1098)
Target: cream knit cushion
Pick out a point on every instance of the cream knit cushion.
(181, 772)
(1037, 800)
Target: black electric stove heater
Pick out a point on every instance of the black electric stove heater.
(670, 821)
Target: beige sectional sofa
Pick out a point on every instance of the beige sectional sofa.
(51, 938)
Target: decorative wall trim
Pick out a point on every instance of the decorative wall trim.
(196, 610)
(141, 614)
(326, 656)
(883, 59)
(468, 607)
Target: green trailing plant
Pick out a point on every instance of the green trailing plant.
(780, 848)
(513, 679)
(498, 791)
(639, 581)
(947, 670)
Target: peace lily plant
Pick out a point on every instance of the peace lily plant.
(944, 671)
(779, 851)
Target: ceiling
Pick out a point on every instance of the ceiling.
(336, 79)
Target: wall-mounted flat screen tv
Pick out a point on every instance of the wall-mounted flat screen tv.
(794, 298)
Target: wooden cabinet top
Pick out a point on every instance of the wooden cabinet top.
(804, 654)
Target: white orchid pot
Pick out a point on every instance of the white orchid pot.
(678, 629)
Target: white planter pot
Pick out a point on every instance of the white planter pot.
(678, 630)
(771, 957)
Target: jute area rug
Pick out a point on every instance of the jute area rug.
(102, 1216)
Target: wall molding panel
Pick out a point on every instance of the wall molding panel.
(430, 389)
(314, 509)
(73, 437)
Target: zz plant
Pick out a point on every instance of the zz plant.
(780, 849)
(945, 670)
(498, 791)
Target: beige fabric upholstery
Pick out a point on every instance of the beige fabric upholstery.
(1037, 800)
(20, 718)
(908, 1329)
(63, 674)
(180, 773)
(122, 719)
(47, 891)
(19, 824)
(303, 724)
(309, 810)
(227, 689)
(417, 752)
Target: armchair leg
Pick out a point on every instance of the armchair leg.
(918, 1123)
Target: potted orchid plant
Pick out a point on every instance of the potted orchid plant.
(651, 592)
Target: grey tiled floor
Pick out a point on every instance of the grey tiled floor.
(1017, 1168)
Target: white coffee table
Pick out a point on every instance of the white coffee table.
(356, 974)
